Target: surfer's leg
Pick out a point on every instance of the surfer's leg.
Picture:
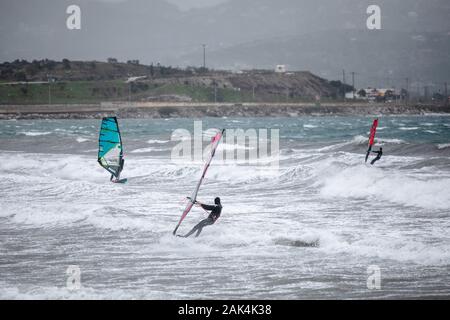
(199, 229)
(374, 160)
(202, 224)
(190, 232)
(198, 225)
(120, 169)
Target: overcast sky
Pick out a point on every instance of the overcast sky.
(324, 37)
(186, 4)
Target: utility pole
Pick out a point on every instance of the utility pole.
(407, 92)
(129, 93)
(446, 94)
(204, 56)
(49, 93)
(353, 84)
(215, 92)
(49, 90)
(343, 82)
(253, 90)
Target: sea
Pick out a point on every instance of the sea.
(307, 220)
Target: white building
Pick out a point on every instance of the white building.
(373, 94)
(351, 95)
(280, 68)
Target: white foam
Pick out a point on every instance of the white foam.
(72, 167)
(364, 140)
(81, 140)
(84, 293)
(145, 150)
(443, 146)
(33, 133)
(360, 139)
(229, 146)
(393, 141)
(155, 141)
(392, 246)
(365, 182)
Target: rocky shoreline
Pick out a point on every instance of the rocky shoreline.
(157, 110)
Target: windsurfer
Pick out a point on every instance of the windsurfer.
(215, 209)
(378, 157)
(373, 131)
(119, 171)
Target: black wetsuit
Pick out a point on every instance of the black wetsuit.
(213, 216)
(119, 171)
(378, 157)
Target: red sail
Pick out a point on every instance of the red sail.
(373, 131)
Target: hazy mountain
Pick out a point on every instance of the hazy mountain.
(384, 58)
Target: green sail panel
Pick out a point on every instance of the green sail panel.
(110, 151)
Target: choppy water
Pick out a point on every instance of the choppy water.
(59, 209)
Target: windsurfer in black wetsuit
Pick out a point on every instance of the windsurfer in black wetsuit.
(119, 171)
(215, 209)
(378, 157)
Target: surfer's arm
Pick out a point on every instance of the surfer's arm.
(207, 207)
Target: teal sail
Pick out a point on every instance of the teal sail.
(110, 151)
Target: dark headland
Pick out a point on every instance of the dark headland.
(197, 110)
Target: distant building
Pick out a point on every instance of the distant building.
(352, 95)
(374, 94)
(135, 79)
(280, 68)
(112, 60)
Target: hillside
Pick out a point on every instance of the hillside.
(24, 82)
(65, 70)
